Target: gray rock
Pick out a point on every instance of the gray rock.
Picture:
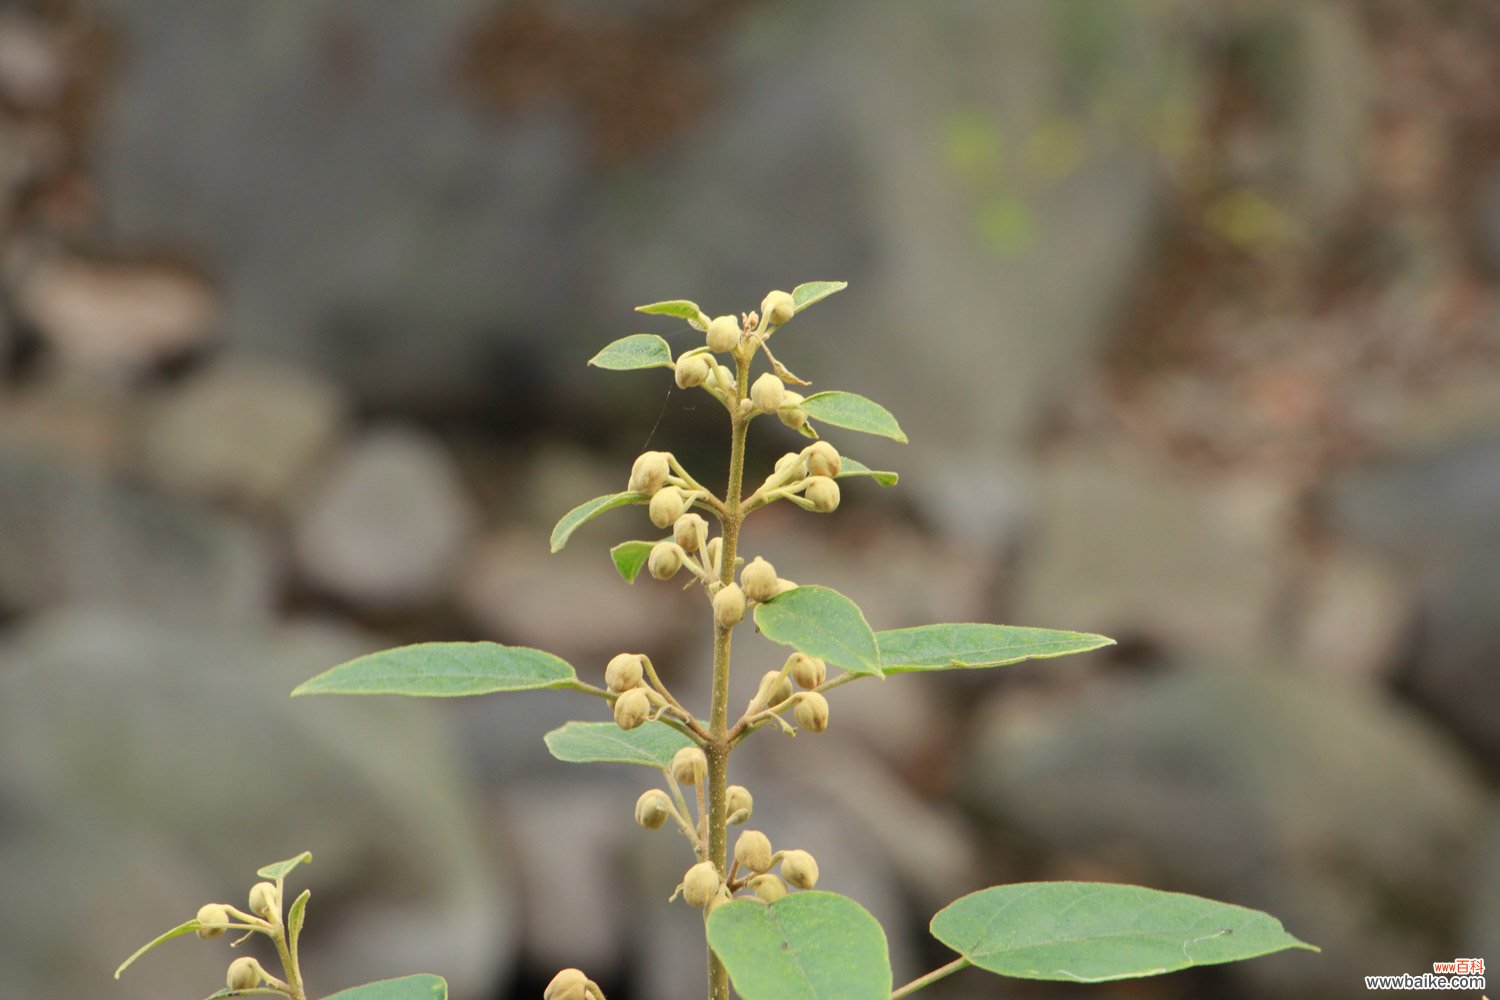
(388, 522)
(1128, 550)
(1354, 618)
(1255, 786)
(252, 433)
(76, 536)
(147, 769)
(1435, 516)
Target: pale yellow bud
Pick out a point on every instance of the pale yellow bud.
(624, 672)
(766, 393)
(244, 973)
(653, 809)
(700, 884)
(739, 801)
(729, 606)
(823, 493)
(569, 984)
(777, 308)
(791, 412)
(665, 560)
(774, 689)
(758, 579)
(783, 585)
(690, 532)
(812, 711)
(785, 463)
(214, 918)
(807, 671)
(822, 459)
(727, 380)
(649, 472)
(692, 370)
(752, 849)
(689, 765)
(768, 888)
(715, 549)
(799, 869)
(264, 900)
(723, 334)
(667, 506)
(632, 708)
(720, 898)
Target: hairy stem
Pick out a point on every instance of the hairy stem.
(718, 743)
(930, 978)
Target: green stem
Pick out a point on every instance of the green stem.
(719, 743)
(930, 978)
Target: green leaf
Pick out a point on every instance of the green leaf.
(853, 412)
(421, 987)
(681, 308)
(806, 946)
(652, 744)
(630, 558)
(810, 292)
(821, 622)
(1091, 932)
(281, 869)
(639, 350)
(177, 931)
(295, 915)
(588, 510)
(943, 647)
(849, 467)
(444, 670)
(259, 991)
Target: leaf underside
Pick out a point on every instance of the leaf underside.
(806, 946)
(821, 622)
(587, 511)
(851, 467)
(652, 744)
(853, 412)
(444, 670)
(639, 350)
(970, 645)
(419, 987)
(810, 292)
(630, 558)
(1092, 932)
(281, 869)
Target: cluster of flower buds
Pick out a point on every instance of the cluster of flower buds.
(807, 478)
(755, 862)
(776, 692)
(572, 984)
(264, 905)
(635, 701)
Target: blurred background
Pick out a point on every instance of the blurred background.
(1191, 312)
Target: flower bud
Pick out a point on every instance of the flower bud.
(667, 506)
(719, 899)
(700, 884)
(822, 459)
(783, 585)
(723, 334)
(758, 579)
(766, 393)
(729, 606)
(569, 984)
(689, 765)
(823, 493)
(812, 711)
(653, 809)
(767, 888)
(807, 671)
(632, 708)
(727, 379)
(244, 973)
(649, 472)
(623, 672)
(665, 559)
(690, 532)
(739, 801)
(692, 370)
(778, 308)
(752, 850)
(714, 549)
(214, 918)
(774, 689)
(791, 412)
(799, 869)
(785, 462)
(264, 899)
